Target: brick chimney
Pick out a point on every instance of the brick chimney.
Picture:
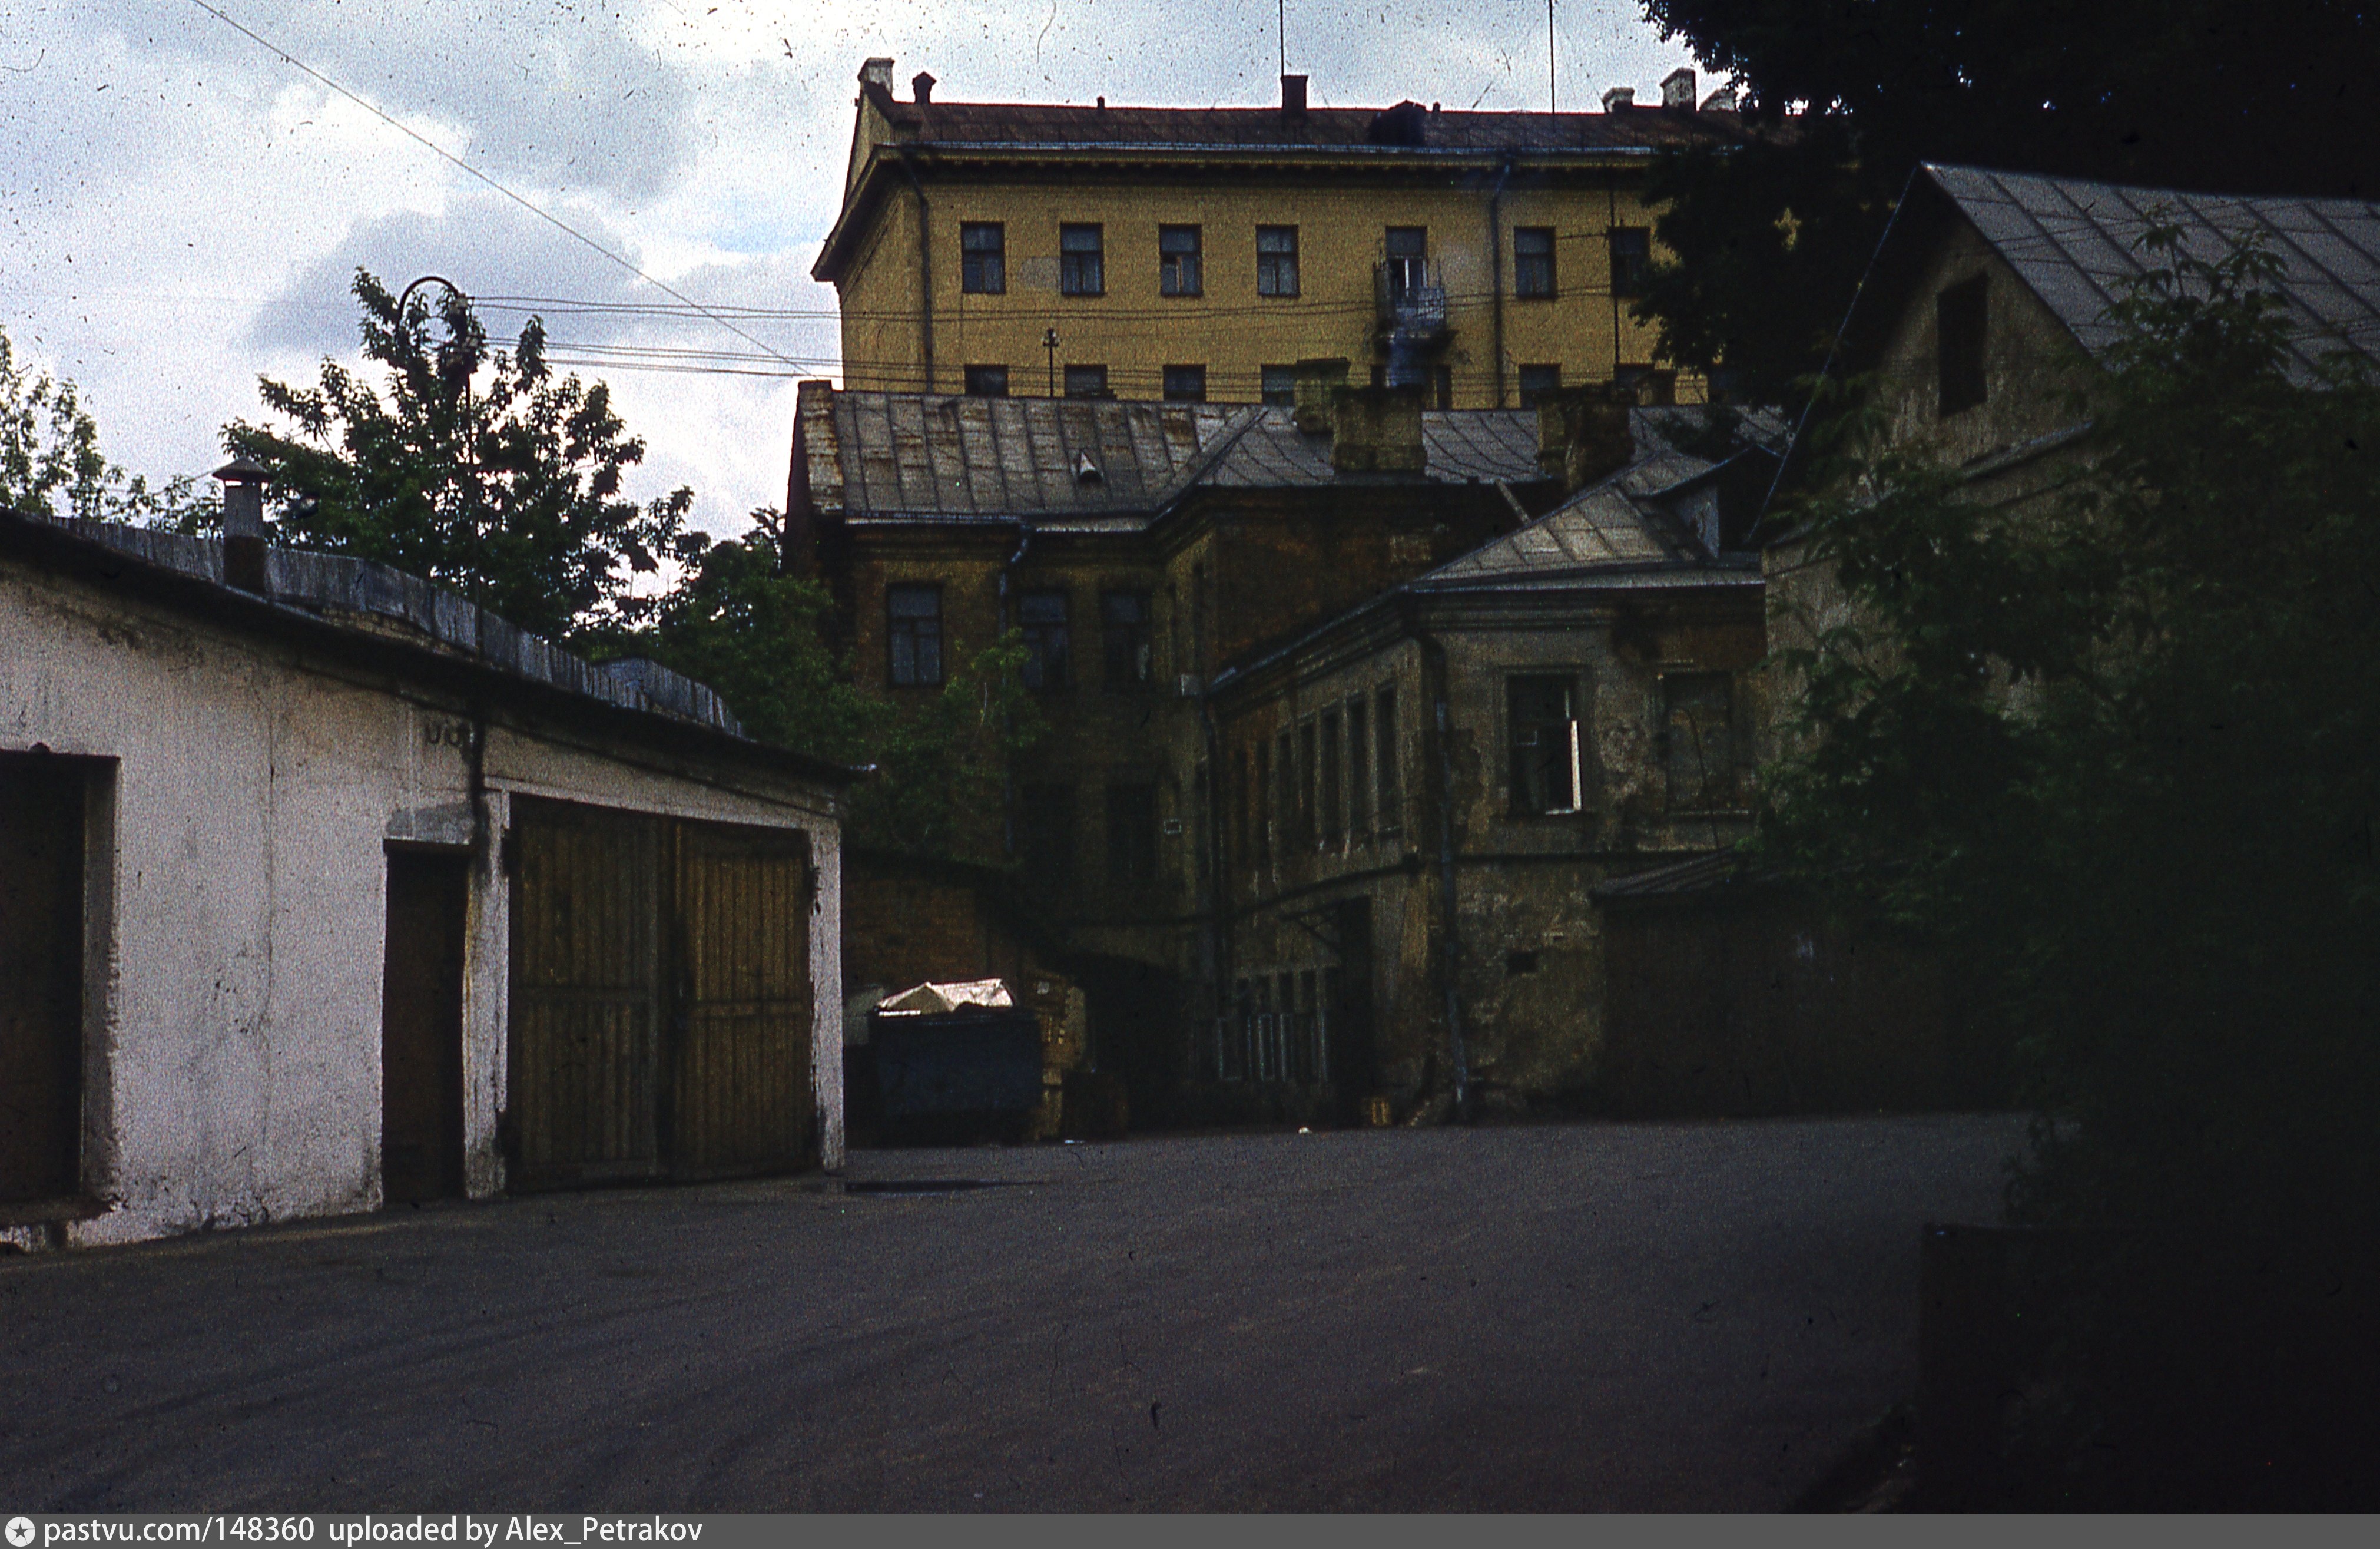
(1293, 96)
(1378, 430)
(1583, 434)
(243, 522)
(877, 73)
(1317, 380)
(921, 86)
(1620, 99)
(1678, 89)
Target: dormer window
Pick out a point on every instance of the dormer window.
(1960, 320)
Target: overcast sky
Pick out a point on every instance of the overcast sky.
(181, 210)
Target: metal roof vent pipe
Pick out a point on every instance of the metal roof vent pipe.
(1293, 96)
(1678, 89)
(1620, 99)
(922, 86)
(1584, 436)
(243, 522)
(1317, 380)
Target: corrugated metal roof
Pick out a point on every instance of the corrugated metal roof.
(2073, 243)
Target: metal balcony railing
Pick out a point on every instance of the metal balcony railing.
(1409, 302)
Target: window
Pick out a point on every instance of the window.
(1698, 740)
(987, 382)
(1309, 779)
(1178, 271)
(1632, 259)
(1406, 248)
(1131, 836)
(1279, 386)
(1041, 617)
(914, 634)
(1537, 382)
(1359, 772)
(1330, 769)
(1384, 734)
(1045, 834)
(1124, 641)
(1276, 260)
(1958, 322)
(1082, 266)
(1185, 384)
(1284, 780)
(983, 258)
(1533, 262)
(1542, 723)
(1262, 796)
(1086, 381)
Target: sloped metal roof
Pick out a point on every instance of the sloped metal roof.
(1023, 125)
(2074, 245)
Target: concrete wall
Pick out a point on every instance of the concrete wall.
(233, 1073)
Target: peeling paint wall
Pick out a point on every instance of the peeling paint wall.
(235, 1074)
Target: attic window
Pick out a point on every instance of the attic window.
(1086, 470)
(1959, 324)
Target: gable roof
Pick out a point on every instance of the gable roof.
(871, 457)
(2073, 244)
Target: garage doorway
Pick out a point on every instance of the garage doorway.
(43, 805)
(661, 1009)
(421, 1027)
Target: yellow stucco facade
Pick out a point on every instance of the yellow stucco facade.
(913, 321)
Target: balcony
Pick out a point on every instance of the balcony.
(1411, 304)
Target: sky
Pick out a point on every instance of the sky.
(182, 208)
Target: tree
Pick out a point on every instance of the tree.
(477, 469)
(1770, 241)
(50, 460)
(737, 622)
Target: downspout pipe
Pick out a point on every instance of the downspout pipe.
(1000, 620)
(925, 271)
(1496, 267)
(1458, 1053)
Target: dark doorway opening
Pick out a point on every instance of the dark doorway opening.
(41, 812)
(421, 1027)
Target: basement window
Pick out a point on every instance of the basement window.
(1958, 324)
(987, 382)
(1086, 381)
(1537, 382)
(1279, 389)
(1185, 384)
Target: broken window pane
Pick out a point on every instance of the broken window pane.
(1543, 723)
(914, 634)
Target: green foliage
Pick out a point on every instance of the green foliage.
(758, 636)
(2116, 750)
(2275, 100)
(477, 469)
(50, 460)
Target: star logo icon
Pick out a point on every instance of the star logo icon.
(21, 1532)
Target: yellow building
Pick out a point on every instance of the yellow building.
(1199, 253)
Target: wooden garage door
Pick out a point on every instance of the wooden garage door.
(661, 1000)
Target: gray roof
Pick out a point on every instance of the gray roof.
(908, 456)
(384, 599)
(2073, 243)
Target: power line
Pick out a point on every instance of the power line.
(445, 155)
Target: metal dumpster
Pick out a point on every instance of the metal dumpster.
(972, 1068)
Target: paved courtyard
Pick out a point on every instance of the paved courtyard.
(1557, 1317)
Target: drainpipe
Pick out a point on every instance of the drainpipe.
(925, 270)
(1434, 680)
(1495, 268)
(1007, 768)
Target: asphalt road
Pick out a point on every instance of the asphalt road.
(1642, 1317)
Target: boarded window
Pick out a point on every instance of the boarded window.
(1537, 382)
(1632, 259)
(983, 258)
(987, 382)
(1386, 761)
(1543, 737)
(1178, 271)
(1131, 836)
(913, 635)
(1276, 260)
(1045, 834)
(1698, 737)
(661, 997)
(41, 802)
(1082, 263)
(1959, 322)
(1533, 262)
(1041, 618)
(1086, 381)
(1124, 641)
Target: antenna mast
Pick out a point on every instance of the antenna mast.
(1281, 31)
(1551, 106)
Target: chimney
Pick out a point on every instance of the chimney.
(877, 73)
(1582, 433)
(1678, 89)
(1317, 380)
(1721, 101)
(921, 86)
(1620, 99)
(1293, 96)
(1377, 430)
(243, 522)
